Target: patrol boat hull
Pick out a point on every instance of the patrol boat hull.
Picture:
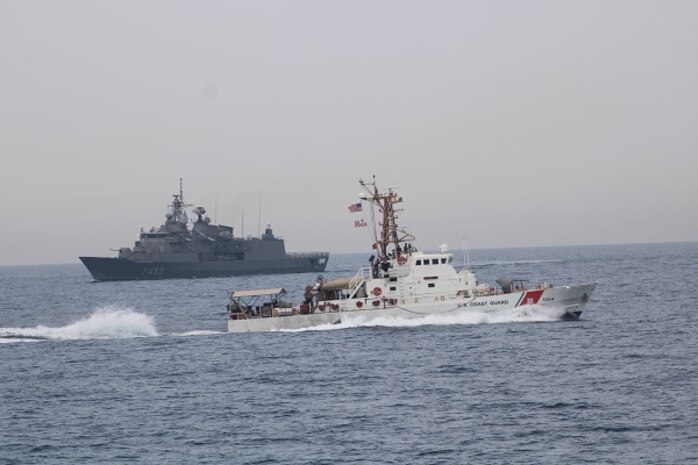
(402, 283)
(119, 269)
(562, 303)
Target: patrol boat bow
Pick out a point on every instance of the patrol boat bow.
(402, 283)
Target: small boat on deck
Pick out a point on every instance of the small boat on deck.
(401, 283)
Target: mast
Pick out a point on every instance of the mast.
(390, 232)
(259, 218)
(179, 213)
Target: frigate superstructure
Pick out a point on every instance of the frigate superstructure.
(173, 250)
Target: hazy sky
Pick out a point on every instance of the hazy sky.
(518, 123)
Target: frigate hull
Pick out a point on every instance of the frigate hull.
(119, 269)
(176, 250)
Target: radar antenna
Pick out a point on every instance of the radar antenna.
(178, 207)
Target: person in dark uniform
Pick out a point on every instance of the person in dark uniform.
(309, 297)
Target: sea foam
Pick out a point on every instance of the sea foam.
(108, 322)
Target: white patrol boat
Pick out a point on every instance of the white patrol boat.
(402, 283)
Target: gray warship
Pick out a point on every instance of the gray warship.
(207, 250)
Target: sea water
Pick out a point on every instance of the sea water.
(144, 372)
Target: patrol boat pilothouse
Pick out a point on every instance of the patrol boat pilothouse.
(401, 283)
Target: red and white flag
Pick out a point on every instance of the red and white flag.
(355, 207)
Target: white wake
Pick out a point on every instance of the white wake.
(199, 332)
(105, 323)
(523, 314)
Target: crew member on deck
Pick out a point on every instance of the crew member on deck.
(309, 297)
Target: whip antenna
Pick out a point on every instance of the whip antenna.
(466, 255)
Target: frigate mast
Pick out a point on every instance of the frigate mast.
(390, 232)
(179, 213)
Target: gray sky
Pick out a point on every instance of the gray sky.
(516, 123)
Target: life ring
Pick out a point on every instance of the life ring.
(401, 259)
(335, 306)
(359, 304)
(321, 307)
(377, 291)
(376, 303)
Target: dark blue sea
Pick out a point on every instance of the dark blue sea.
(144, 372)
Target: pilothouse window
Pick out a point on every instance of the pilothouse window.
(434, 261)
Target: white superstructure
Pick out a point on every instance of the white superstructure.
(402, 282)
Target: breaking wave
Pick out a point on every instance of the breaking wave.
(526, 313)
(104, 323)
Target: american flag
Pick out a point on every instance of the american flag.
(360, 224)
(355, 207)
